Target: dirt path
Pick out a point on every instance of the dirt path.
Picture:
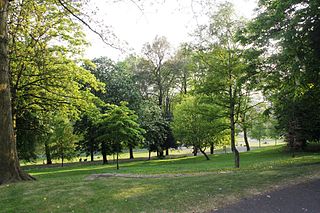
(108, 175)
(304, 197)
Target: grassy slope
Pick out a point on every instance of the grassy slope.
(66, 190)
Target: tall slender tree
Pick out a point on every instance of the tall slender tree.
(227, 74)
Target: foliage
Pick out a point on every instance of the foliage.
(155, 126)
(162, 77)
(226, 73)
(62, 139)
(291, 70)
(118, 127)
(120, 85)
(87, 127)
(45, 47)
(196, 123)
(28, 137)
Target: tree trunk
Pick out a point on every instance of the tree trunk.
(245, 137)
(184, 84)
(204, 153)
(233, 145)
(160, 100)
(131, 152)
(259, 143)
(167, 151)
(212, 148)
(195, 151)
(161, 154)
(117, 160)
(48, 153)
(104, 153)
(105, 159)
(62, 158)
(232, 130)
(10, 170)
(91, 150)
(149, 154)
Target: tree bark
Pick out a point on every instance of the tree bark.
(259, 143)
(195, 151)
(48, 153)
(104, 153)
(232, 130)
(62, 159)
(167, 151)
(10, 170)
(212, 148)
(117, 160)
(204, 153)
(149, 154)
(245, 137)
(161, 155)
(131, 152)
(91, 150)
(233, 144)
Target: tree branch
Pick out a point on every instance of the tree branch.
(87, 25)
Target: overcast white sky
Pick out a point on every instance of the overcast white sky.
(173, 19)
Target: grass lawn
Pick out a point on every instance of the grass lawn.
(207, 184)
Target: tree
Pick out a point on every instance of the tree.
(120, 86)
(140, 69)
(9, 164)
(291, 71)
(38, 13)
(86, 126)
(227, 73)
(156, 129)
(195, 123)
(62, 139)
(259, 129)
(119, 126)
(157, 53)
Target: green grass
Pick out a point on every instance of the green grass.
(208, 185)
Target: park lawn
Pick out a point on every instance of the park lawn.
(206, 185)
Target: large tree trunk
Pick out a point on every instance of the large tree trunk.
(131, 152)
(245, 137)
(204, 153)
(167, 151)
(10, 170)
(48, 153)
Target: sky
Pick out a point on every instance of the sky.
(136, 25)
